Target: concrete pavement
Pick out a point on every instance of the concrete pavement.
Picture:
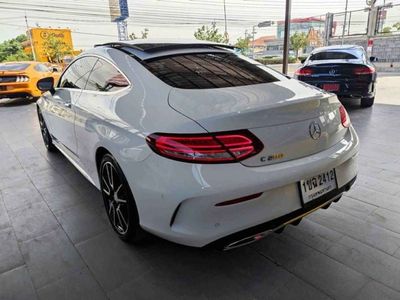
(55, 241)
(388, 91)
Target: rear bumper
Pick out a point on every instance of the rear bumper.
(15, 95)
(350, 89)
(17, 90)
(177, 201)
(258, 232)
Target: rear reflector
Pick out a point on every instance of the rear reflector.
(364, 70)
(239, 200)
(344, 117)
(206, 148)
(304, 72)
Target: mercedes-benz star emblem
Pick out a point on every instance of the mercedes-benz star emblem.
(315, 130)
(332, 71)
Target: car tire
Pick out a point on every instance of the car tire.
(47, 139)
(119, 202)
(367, 102)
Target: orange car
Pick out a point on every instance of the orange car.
(19, 79)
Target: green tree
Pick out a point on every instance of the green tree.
(298, 41)
(13, 49)
(21, 38)
(55, 49)
(242, 43)
(386, 30)
(20, 56)
(397, 26)
(144, 35)
(212, 34)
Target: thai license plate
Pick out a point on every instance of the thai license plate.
(318, 185)
(331, 87)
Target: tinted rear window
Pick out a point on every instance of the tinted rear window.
(335, 55)
(13, 67)
(207, 71)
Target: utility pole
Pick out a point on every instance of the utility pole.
(286, 37)
(252, 46)
(372, 25)
(345, 20)
(28, 32)
(226, 24)
(122, 27)
(328, 28)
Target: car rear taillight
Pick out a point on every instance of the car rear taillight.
(224, 147)
(364, 70)
(304, 72)
(344, 117)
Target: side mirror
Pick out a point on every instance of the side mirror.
(46, 84)
(373, 58)
(54, 70)
(303, 60)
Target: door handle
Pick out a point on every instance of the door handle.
(67, 104)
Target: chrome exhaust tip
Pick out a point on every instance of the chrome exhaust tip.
(279, 229)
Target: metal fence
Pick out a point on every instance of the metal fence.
(351, 23)
(376, 29)
(388, 20)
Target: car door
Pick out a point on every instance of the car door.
(61, 110)
(95, 111)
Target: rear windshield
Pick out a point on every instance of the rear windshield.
(335, 55)
(13, 67)
(207, 71)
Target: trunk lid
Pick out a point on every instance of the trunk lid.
(342, 69)
(279, 114)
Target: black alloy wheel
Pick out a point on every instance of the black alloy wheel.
(48, 141)
(118, 201)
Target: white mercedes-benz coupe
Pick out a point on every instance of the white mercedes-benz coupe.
(197, 144)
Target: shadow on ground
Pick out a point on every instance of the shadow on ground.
(56, 241)
(15, 102)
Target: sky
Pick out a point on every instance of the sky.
(90, 20)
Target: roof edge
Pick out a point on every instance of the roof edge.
(163, 46)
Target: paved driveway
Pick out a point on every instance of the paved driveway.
(55, 241)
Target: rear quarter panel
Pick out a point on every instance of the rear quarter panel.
(120, 121)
